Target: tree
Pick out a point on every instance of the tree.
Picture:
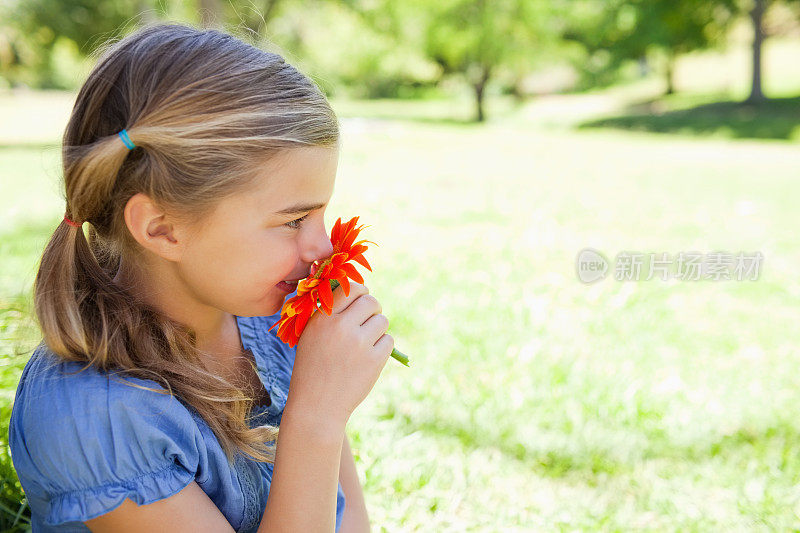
(476, 38)
(36, 26)
(756, 10)
(623, 30)
(82, 21)
(756, 16)
(40, 25)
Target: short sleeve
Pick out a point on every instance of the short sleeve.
(83, 443)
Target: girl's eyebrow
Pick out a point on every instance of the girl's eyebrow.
(299, 208)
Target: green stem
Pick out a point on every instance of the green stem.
(397, 354)
(400, 356)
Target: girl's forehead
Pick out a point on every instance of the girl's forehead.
(298, 176)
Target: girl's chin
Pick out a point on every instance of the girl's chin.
(271, 303)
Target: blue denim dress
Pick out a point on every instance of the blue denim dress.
(83, 443)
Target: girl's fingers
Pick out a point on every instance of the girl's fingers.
(386, 345)
(375, 326)
(342, 302)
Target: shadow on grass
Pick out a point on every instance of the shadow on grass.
(550, 462)
(764, 444)
(777, 118)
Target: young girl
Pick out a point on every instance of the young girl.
(203, 166)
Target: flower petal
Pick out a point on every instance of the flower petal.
(353, 273)
(337, 228)
(299, 324)
(284, 329)
(345, 285)
(348, 240)
(275, 324)
(325, 294)
(327, 309)
(362, 261)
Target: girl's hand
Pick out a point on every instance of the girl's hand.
(340, 357)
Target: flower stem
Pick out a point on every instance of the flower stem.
(397, 354)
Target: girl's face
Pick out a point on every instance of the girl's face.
(258, 238)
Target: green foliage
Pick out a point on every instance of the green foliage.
(47, 38)
(86, 22)
(14, 511)
(357, 54)
(462, 34)
(476, 39)
(17, 333)
(617, 31)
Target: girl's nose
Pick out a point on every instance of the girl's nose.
(321, 247)
(326, 246)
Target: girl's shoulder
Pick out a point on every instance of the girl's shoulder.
(83, 440)
(52, 388)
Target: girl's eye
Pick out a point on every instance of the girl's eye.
(297, 221)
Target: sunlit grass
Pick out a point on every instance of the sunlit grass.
(647, 405)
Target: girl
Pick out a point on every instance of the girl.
(203, 166)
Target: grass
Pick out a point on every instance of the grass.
(535, 402)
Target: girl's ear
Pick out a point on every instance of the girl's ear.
(151, 227)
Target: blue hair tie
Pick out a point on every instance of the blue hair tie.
(127, 140)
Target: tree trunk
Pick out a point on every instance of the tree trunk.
(517, 93)
(644, 68)
(670, 74)
(756, 14)
(479, 86)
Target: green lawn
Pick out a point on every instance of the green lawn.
(534, 401)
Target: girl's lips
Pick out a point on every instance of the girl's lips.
(287, 286)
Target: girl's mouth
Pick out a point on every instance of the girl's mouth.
(288, 287)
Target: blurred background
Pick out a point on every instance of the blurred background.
(486, 144)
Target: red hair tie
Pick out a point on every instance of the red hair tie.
(70, 222)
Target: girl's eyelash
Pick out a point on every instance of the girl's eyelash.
(298, 221)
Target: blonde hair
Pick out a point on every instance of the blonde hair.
(202, 107)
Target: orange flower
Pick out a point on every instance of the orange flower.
(298, 309)
(316, 291)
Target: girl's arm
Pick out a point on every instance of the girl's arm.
(355, 519)
(188, 511)
(302, 496)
